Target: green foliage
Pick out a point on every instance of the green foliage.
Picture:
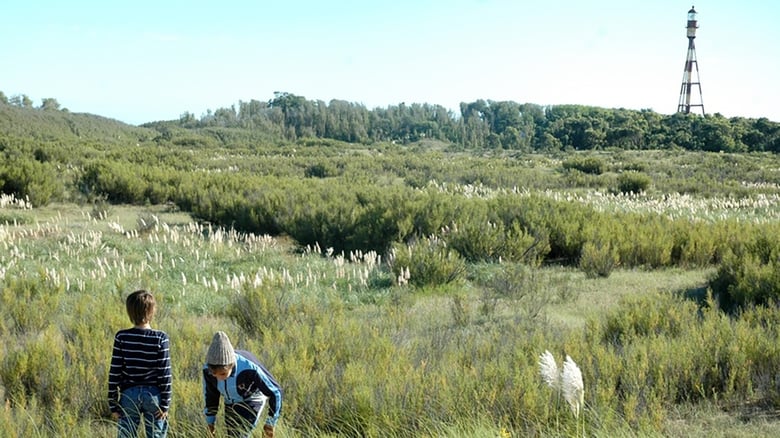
(559, 223)
(633, 182)
(128, 183)
(428, 261)
(343, 218)
(642, 240)
(480, 124)
(525, 289)
(12, 217)
(487, 231)
(640, 317)
(296, 311)
(319, 171)
(585, 164)
(476, 236)
(30, 179)
(598, 259)
(46, 124)
(675, 353)
(16, 297)
(36, 369)
(697, 244)
(750, 279)
(429, 198)
(262, 311)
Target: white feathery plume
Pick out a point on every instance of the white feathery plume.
(572, 386)
(549, 370)
(568, 380)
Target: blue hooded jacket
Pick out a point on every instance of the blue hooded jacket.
(249, 383)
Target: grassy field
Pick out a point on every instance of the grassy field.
(65, 270)
(409, 289)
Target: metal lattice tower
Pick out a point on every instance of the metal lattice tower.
(691, 72)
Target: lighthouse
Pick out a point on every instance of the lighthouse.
(690, 91)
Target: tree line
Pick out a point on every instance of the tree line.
(24, 101)
(482, 124)
(491, 124)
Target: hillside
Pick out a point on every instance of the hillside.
(64, 126)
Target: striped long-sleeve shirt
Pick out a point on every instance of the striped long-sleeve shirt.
(140, 357)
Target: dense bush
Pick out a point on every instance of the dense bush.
(263, 311)
(36, 370)
(426, 262)
(633, 182)
(749, 273)
(30, 179)
(585, 164)
(675, 352)
(129, 183)
(598, 259)
(746, 281)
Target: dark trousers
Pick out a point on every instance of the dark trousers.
(240, 419)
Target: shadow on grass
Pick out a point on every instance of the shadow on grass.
(696, 294)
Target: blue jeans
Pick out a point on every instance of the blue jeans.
(137, 402)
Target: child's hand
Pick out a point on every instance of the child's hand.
(268, 431)
(211, 429)
(115, 416)
(160, 415)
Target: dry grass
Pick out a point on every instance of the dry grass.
(708, 421)
(599, 295)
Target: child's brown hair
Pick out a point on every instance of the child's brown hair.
(141, 307)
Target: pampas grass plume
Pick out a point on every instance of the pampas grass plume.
(549, 370)
(572, 386)
(568, 380)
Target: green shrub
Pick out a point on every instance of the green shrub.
(521, 246)
(427, 261)
(642, 240)
(259, 311)
(598, 259)
(696, 244)
(319, 170)
(19, 295)
(27, 178)
(37, 369)
(643, 316)
(634, 166)
(633, 182)
(13, 217)
(478, 237)
(589, 165)
(524, 288)
(476, 240)
(674, 351)
(118, 182)
(745, 281)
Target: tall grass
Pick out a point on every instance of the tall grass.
(356, 353)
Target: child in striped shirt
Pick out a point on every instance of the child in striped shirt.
(139, 381)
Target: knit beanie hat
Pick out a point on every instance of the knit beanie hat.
(220, 351)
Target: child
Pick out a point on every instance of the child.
(139, 381)
(244, 383)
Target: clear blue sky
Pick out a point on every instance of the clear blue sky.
(140, 61)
